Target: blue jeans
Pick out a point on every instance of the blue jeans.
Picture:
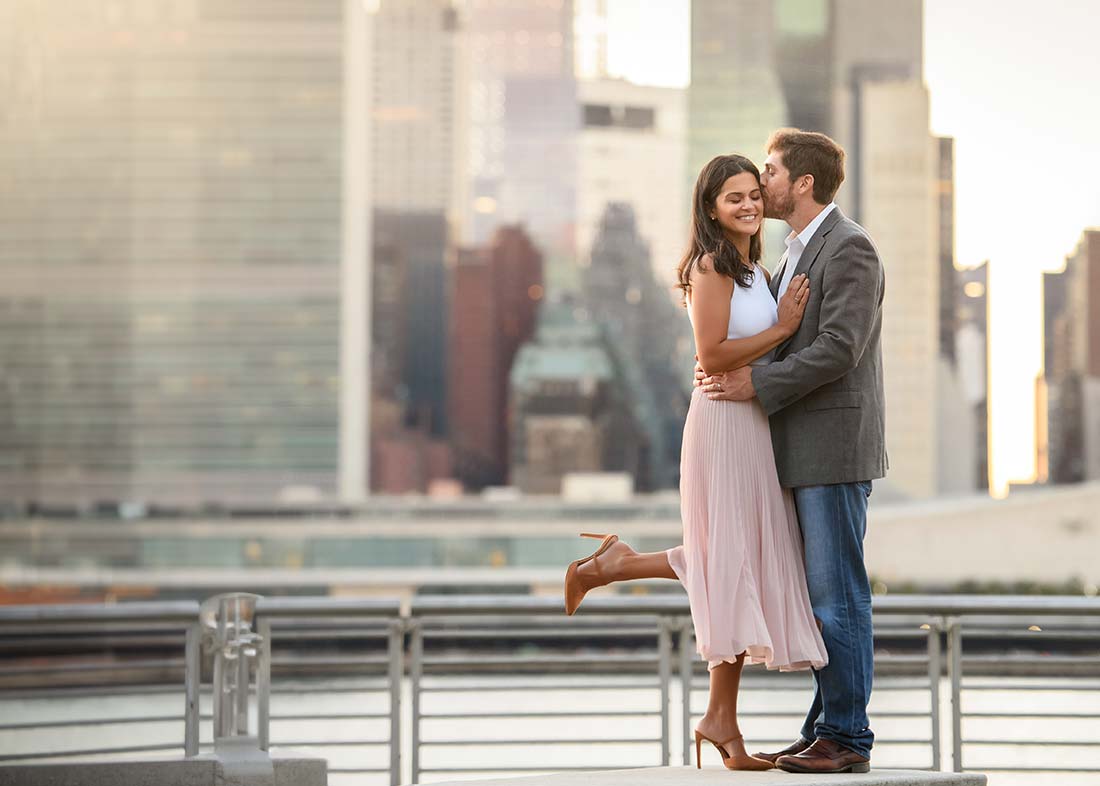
(834, 521)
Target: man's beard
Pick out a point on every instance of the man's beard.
(780, 207)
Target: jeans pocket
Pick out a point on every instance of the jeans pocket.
(865, 487)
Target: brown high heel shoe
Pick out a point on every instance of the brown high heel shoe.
(574, 593)
(741, 761)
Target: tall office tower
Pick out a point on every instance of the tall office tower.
(570, 407)
(956, 442)
(735, 99)
(523, 124)
(408, 351)
(498, 289)
(185, 251)
(803, 61)
(632, 152)
(898, 163)
(405, 455)
(963, 410)
(416, 122)
(590, 38)
(1071, 317)
(971, 298)
(1058, 446)
(415, 51)
(647, 337)
(945, 193)
(871, 41)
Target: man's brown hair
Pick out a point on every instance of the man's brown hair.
(811, 153)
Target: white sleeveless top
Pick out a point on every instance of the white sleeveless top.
(752, 310)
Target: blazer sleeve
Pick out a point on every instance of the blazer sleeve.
(851, 292)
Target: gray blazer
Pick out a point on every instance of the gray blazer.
(824, 393)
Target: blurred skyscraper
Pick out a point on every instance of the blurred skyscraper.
(963, 463)
(632, 152)
(898, 165)
(498, 289)
(408, 351)
(945, 195)
(644, 330)
(971, 298)
(963, 337)
(1071, 363)
(735, 98)
(803, 59)
(870, 41)
(520, 152)
(417, 127)
(184, 250)
(590, 28)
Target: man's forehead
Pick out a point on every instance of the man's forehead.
(774, 158)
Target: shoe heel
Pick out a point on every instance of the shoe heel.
(698, 743)
(860, 768)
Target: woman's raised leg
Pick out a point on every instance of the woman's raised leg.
(614, 561)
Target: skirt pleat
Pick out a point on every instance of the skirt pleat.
(741, 559)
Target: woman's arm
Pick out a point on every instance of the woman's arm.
(710, 314)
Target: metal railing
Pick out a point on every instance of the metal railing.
(481, 670)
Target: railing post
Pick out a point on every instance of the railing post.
(416, 655)
(396, 673)
(935, 671)
(192, 677)
(664, 667)
(240, 722)
(954, 651)
(686, 638)
(263, 684)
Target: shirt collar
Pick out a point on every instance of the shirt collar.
(807, 233)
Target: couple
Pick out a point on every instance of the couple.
(774, 518)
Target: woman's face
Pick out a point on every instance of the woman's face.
(739, 208)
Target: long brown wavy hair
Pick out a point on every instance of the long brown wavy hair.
(707, 236)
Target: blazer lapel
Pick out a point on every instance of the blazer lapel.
(817, 242)
(809, 256)
(777, 276)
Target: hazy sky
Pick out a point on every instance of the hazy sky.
(1015, 83)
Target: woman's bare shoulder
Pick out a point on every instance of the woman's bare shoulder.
(704, 275)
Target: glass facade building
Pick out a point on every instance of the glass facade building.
(170, 244)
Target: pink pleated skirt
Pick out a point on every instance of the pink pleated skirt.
(741, 560)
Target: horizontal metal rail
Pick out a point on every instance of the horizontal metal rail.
(450, 646)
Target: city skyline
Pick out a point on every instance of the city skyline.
(566, 131)
(1057, 40)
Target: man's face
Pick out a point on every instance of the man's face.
(778, 188)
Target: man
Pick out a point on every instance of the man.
(825, 401)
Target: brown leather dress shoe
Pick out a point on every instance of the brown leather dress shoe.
(824, 756)
(797, 746)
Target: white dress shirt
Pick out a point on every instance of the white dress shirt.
(796, 244)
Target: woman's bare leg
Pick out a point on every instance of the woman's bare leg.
(720, 722)
(622, 563)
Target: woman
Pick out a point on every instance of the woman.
(741, 559)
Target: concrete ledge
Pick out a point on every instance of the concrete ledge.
(689, 776)
(199, 771)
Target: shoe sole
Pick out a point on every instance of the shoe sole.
(855, 769)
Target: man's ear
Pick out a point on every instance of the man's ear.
(806, 184)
